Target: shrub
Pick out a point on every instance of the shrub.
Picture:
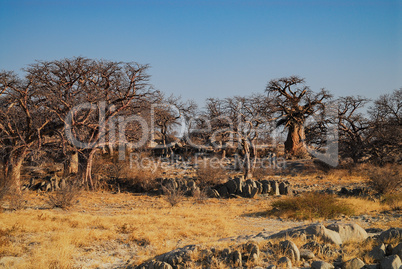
(385, 180)
(140, 176)
(173, 195)
(209, 175)
(200, 196)
(65, 197)
(144, 179)
(261, 173)
(394, 201)
(310, 206)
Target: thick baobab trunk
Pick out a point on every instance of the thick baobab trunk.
(13, 175)
(294, 143)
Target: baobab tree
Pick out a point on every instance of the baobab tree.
(87, 96)
(23, 124)
(294, 102)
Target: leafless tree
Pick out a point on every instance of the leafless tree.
(353, 127)
(294, 103)
(386, 133)
(23, 124)
(170, 113)
(237, 122)
(87, 95)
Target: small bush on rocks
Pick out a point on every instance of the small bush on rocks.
(209, 175)
(310, 206)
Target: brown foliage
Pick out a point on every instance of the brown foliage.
(173, 195)
(64, 198)
(385, 180)
(209, 175)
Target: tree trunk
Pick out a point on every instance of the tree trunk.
(247, 162)
(72, 163)
(88, 170)
(14, 172)
(294, 143)
(85, 167)
(254, 151)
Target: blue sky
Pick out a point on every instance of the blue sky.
(200, 49)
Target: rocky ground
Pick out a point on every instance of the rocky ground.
(319, 247)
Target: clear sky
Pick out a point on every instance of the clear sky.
(206, 48)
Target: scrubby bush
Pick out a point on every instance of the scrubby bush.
(261, 173)
(385, 180)
(209, 175)
(394, 201)
(310, 206)
(64, 198)
(173, 195)
(140, 175)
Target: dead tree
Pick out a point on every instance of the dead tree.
(238, 122)
(386, 128)
(23, 124)
(294, 103)
(87, 96)
(353, 127)
(169, 113)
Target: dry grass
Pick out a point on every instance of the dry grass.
(363, 206)
(394, 201)
(104, 223)
(311, 206)
(350, 251)
(109, 229)
(106, 229)
(340, 177)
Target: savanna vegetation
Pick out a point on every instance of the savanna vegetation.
(89, 149)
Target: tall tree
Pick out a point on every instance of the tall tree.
(353, 127)
(386, 132)
(86, 96)
(294, 103)
(238, 122)
(170, 113)
(23, 124)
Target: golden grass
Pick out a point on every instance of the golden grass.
(311, 206)
(104, 228)
(364, 206)
(145, 226)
